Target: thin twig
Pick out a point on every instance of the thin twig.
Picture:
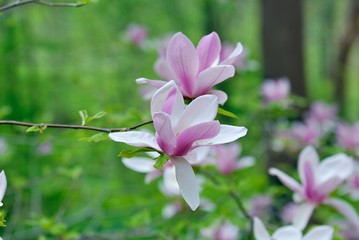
(54, 125)
(236, 199)
(19, 3)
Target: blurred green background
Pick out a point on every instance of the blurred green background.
(55, 62)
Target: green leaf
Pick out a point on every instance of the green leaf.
(132, 153)
(161, 161)
(33, 129)
(95, 138)
(226, 113)
(84, 115)
(85, 118)
(2, 219)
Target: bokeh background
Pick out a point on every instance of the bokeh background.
(55, 62)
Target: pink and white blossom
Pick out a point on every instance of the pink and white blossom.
(136, 34)
(348, 136)
(352, 184)
(322, 112)
(222, 231)
(226, 157)
(307, 133)
(319, 179)
(291, 233)
(195, 70)
(275, 90)
(240, 61)
(179, 130)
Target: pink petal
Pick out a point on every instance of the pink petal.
(183, 58)
(307, 165)
(287, 233)
(325, 188)
(164, 70)
(222, 96)
(139, 164)
(136, 138)
(320, 233)
(286, 180)
(346, 209)
(209, 48)
(211, 77)
(227, 134)
(302, 215)
(202, 109)
(3, 185)
(187, 182)
(166, 138)
(260, 232)
(233, 57)
(187, 137)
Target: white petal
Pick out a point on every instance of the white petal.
(287, 180)
(139, 164)
(222, 96)
(287, 233)
(232, 58)
(260, 232)
(161, 95)
(202, 109)
(136, 138)
(346, 209)
(170, 210)
(302, 215)
(329, 167)
(227, 134)
(320, 233)
(245, 162)
(3, 184)
(187, 182)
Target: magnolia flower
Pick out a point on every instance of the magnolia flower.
(307, 133)
(348, 136)
(195, 70)
(3, 184)
(226, 157)
(291, 233)
(322, 113)
(224, 231)
(275, 90)
(179, 130)
(318, 181)
(136, 34)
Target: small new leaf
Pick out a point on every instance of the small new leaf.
(33, 129)
(226, 113)
(161, 161)
(84, 115)
(95, 138)
(132, 153)
(2, 219)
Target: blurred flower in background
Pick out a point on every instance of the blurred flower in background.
(136, 34)
(45, 148)
(221, 231)
(275, 90)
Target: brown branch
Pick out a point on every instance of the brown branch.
(66, 126)
(19, 3)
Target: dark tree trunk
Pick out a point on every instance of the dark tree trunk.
(351, 31)
(282, 42)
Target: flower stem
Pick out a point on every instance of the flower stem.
(235, 197)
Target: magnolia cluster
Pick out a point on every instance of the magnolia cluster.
(319, 122)
(183, 132)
